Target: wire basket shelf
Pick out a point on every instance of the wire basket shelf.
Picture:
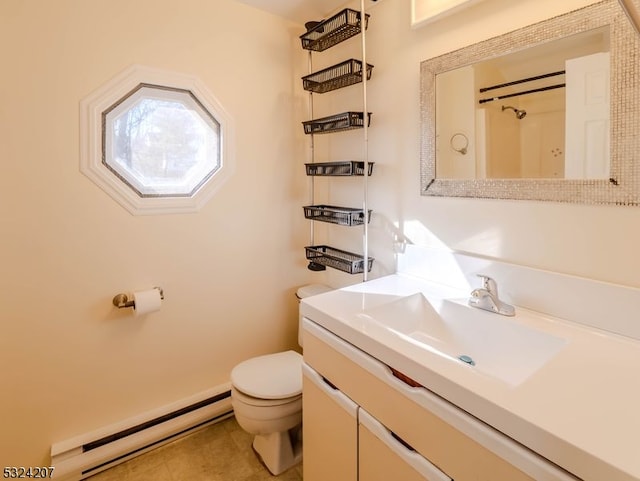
(338, 259)
(336, 123)
(336, 215)
(330, 32)
(337, 169)
(335, 77)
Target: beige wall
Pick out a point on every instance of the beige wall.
(597, 242)
(69, 362)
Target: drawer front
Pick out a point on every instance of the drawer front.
(383, 457)
(445, 435)
(330, 431)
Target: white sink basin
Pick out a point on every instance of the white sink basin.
(488, 343)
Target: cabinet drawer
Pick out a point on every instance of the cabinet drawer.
(460, 445)
(383, 457)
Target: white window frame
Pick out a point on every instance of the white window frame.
(91, 139)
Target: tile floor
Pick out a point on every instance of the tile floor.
(221, 452)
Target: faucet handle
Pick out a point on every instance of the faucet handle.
(486, 297)
(489, 284)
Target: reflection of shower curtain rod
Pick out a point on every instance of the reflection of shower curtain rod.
(524, 92)
(521, 81)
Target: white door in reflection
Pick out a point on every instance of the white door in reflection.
(587, 117)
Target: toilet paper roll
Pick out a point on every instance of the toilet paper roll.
(147, 301)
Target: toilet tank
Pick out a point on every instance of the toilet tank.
(304, 292)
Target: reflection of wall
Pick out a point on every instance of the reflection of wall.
(458, 87)
(531, 147)
(503, 144)
(543, 135)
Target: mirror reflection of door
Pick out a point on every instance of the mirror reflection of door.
(587, 117)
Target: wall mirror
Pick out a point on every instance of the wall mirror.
(547, 112)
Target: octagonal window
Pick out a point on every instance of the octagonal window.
(161, 141)
(157, 142)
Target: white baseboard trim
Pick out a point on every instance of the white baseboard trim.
(88, 454)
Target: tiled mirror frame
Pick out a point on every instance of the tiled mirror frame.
(623, 186)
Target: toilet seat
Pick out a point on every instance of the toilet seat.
(273, 376)
(260, 402)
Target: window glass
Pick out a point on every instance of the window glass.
(161, 142)
(157, 142)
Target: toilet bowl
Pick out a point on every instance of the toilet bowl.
(266, 395)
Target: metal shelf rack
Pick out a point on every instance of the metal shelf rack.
(319, 37)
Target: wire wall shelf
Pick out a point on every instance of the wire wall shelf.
(335, 77)
(338, 259)
(334, 30)
(336, 215)
(338, 169)
(336, 123)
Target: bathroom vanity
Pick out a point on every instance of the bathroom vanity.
(388, 395)
(384, 426)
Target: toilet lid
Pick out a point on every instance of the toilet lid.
(273, 376)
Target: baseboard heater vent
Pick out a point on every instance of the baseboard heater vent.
(86, 455)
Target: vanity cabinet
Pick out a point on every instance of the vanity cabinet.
(403, 425)
(343, 442)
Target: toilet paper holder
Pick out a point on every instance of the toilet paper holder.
(122, 301)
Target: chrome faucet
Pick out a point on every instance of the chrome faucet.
(486, 297)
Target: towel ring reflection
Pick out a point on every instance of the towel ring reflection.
(460, 143)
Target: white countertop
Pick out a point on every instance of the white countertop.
(580, 410)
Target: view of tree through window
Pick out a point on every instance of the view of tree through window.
(161, 141)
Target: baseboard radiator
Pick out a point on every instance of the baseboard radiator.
(88, 454)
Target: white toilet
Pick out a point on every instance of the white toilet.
(266, 395)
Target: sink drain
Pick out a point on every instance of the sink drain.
(467, 359)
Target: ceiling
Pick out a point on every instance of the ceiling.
(299, 11)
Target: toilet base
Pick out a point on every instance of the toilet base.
(279, 451)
